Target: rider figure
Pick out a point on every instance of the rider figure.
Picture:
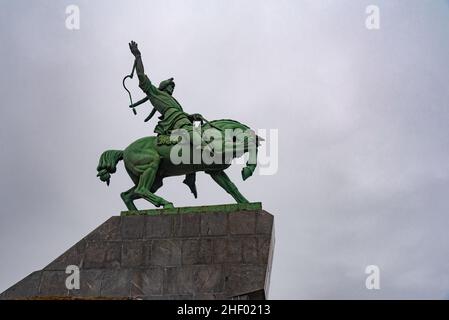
(172, 115)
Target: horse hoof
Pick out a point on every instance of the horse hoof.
(168, 205)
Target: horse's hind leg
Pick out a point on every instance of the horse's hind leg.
(146, 181)
(128, 198)
(223, 181)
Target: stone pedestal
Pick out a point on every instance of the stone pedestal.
(209, 252)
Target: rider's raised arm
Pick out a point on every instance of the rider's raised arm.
(144, 83)
(140, 70)
(139, 67)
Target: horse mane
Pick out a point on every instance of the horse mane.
(224, 124)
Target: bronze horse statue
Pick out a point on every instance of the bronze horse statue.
(148, 162)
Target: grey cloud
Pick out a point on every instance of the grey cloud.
(362, 118)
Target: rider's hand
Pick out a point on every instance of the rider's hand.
(134, 50)
(195, 117)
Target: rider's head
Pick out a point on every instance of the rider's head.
(167, 86)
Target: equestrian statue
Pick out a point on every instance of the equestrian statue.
(149, 160)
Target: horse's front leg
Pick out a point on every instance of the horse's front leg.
(223, 181)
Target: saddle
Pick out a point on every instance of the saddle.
(165, 140)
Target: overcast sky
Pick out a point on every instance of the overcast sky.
(362, 117)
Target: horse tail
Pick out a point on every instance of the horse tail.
(108, 164)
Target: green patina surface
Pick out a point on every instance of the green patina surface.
(199, 209)
(166, 140)
(149, 160)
